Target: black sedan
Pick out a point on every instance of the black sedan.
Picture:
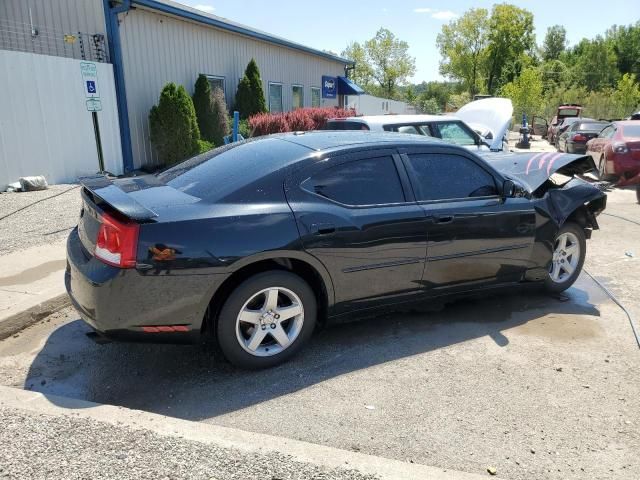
(255, 243)
(574, 139)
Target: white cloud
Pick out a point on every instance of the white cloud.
(422, 10)
(205, 8)
(444, 15)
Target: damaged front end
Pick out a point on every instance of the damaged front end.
(563, 186)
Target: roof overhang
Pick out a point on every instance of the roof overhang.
(347, 87)
(188, 13)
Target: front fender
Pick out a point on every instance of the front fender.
(576, 196)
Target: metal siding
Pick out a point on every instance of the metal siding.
(158, 48)
(53, 18)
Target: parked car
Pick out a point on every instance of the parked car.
(574, 139)
(480, 125)
(565, 110)
(255, 243)
(616, 150)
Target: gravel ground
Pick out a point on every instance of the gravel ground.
(41, 446)
(51, 219)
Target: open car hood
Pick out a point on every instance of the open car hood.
(534, 169)
(488, 115)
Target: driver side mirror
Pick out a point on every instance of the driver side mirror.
(511, 189)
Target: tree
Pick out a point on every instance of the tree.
(250, 95)
(463, 46)
(525, 92)
(220, 117)
(429, 105)
(203, 105)
(555, 43)
(554, 74)
(362, 74)
(626, 46)
(390, 61)
(626, 97)
(173, 125)
(595, 64)
(410, 95)
(510, 35)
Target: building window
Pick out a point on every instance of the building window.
(216, 82)
(315, 97)
(275, 97)
(297, 96)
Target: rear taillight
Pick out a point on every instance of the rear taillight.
(117, 242)
(578, 137)
(620, 147)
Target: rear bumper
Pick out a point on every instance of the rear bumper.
(575, 147)
(120, 303)
(624, 164)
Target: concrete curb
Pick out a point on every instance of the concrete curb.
(15, 323)
(225, 437)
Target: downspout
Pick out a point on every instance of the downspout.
(115, 50)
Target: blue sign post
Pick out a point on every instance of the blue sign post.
(329, 87)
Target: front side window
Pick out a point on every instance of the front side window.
(446, 177)
(606, 132)
(297, 96)
(372, 181)
(275, 97)
(315, 97)
(453, 132)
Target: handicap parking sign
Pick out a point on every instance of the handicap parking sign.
(91, 86)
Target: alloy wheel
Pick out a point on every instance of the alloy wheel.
(566, 256)
(270, 321)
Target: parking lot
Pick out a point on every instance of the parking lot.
(535, 386)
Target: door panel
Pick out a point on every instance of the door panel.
(474, 235)
(374, 253)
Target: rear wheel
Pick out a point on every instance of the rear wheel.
(569, 250)
(602, 170)
(266, 320)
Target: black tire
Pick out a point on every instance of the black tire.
(638, 193)
(555, 286)
(602, 171)
(226, 327)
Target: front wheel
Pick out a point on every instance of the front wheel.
(569, 250)
(266, 320)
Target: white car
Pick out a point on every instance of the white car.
(480, 125)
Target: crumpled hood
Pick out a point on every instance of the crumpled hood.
(489, 114)
(533, 169)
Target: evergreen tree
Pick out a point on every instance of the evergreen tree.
(250, 95)
(220, 118)
(202, 102)
(173, 125)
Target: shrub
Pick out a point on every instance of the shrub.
(173, 126)
(250, 95)
(302, 119)
(220, 115)
(202, 102)
(204, 146)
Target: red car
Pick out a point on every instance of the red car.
(616, 150)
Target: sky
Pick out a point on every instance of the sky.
(333, 25)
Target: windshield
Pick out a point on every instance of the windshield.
(345, 125)
(596, 127)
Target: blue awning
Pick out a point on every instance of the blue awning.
(347, 87)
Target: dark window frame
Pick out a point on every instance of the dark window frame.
(498, 179)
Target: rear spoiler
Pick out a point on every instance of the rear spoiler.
(103, 188)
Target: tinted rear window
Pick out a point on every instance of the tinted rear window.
(569, 112)
(631, 130)
(345, 125)
(373, 181)
(596, 127)
(220, 172)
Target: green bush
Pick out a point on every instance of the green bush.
(173, 125)
(202, 102)
(204, 146)
(250, 95)
(220, 115)
(243, 127)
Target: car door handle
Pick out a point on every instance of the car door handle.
(444, 219)
(323, 228)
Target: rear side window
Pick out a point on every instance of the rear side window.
(371, 181)
(345, 125)
(454, 132)
(443, 177)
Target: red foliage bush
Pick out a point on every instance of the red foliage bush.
(302, 119)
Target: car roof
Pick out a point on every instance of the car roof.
(321, 140)
(379, 120)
